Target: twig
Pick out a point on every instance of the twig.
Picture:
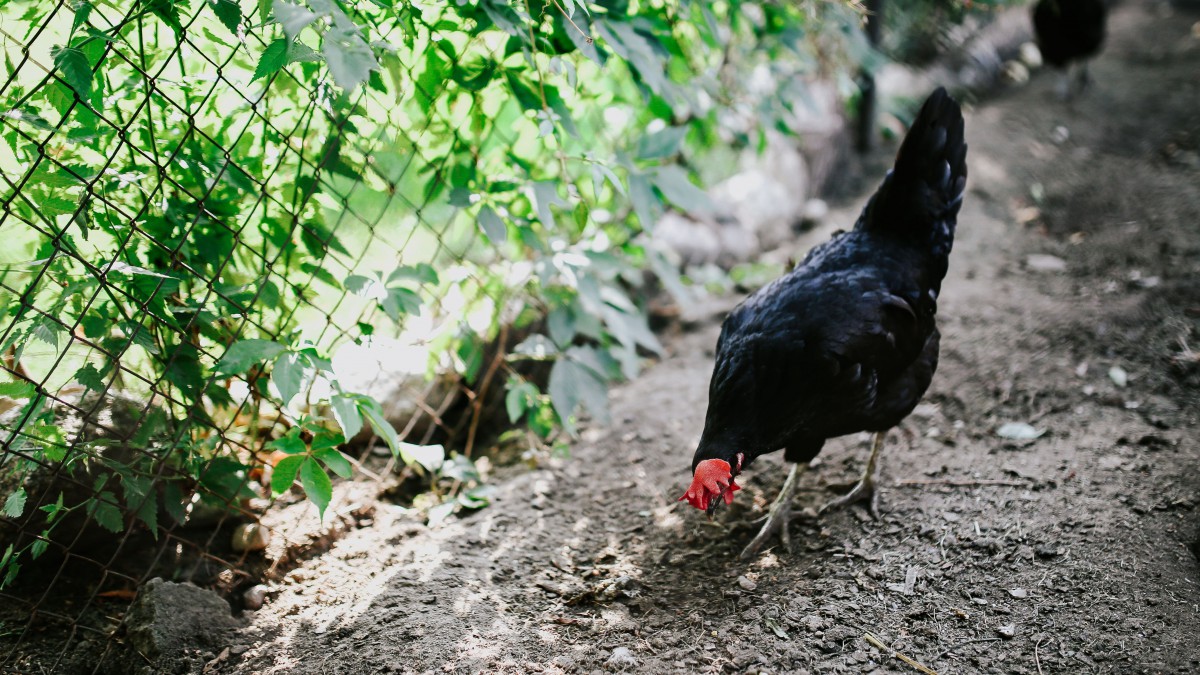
(1037, 659)
(962, 483)
(964, 643)
(878, 644)
(586, 38)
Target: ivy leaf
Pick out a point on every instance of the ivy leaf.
(14, 506)
(288, 375)
(373, 412)
(228, 12)
(492, 225)
(284, 474)
(272, 59)
(345, 411)
(89, 377)
(336, 461)
(243, 354)
(316, 484)
(75, 69)
(293, 18)
(348, 56)
(518, 398)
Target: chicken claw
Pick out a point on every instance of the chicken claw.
(864, 489)
(778, 516)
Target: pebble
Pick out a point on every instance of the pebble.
(1019, 593)
(255, 596)
(746, 583)
(250, 537)
(1007, 631)
(1044, 262)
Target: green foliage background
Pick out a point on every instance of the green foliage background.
(203, 202)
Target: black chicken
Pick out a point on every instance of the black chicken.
(847, 341)
(1069, 31)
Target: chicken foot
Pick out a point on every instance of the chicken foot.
(865, 488)
(778, 516)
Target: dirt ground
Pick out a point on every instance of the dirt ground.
(1074, 287)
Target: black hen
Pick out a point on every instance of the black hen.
(847, 341)
(1069, 31)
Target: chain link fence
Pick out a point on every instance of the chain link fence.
(205, 256)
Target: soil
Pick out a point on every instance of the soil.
(1072, 552)
(1072, 305)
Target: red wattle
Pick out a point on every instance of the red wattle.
(712, 478)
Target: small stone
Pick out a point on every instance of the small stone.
(1015, 72)
(1118, 376)
(1044, 262)
(815, 210)
(621, 657)
(1019, 593)
(250, 537)
(1030, 55)
(1007, 631)
(746, 584)
(255, 597)
(1060, 135)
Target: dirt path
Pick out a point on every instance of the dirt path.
(1064, 554)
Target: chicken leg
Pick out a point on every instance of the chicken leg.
(865, 488)
(778, 516)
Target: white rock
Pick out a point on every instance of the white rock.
(746, 583)
(1015, 72)
(1031, 56)
(1044, 262)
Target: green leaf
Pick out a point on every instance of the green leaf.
(675, 186)
(572, 384)
(291, 443)
(288, 375)
(645, 202)
(284, 474)
(336, 461)
(525, 96)
(103, 509)
(345, 411)
(421, 272)
(316, 484)
(348, 56)
(229, 13)
(518, 400)
(272, 59)
(373, 412)
(243, 354)
(14, 506)
(293, 18)
(661, 144)
(89, 377)
(75, 69)
(17, 389)
(492, 225)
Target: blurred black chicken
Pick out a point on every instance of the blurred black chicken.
(847, 341)
(1069, 32)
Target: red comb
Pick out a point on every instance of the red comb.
(712, 478)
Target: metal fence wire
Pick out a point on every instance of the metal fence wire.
(173, 223)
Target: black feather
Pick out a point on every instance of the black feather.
(847, 341)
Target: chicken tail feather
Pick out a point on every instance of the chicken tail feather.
(923, 192)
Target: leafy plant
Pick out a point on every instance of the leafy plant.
(205, 202)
